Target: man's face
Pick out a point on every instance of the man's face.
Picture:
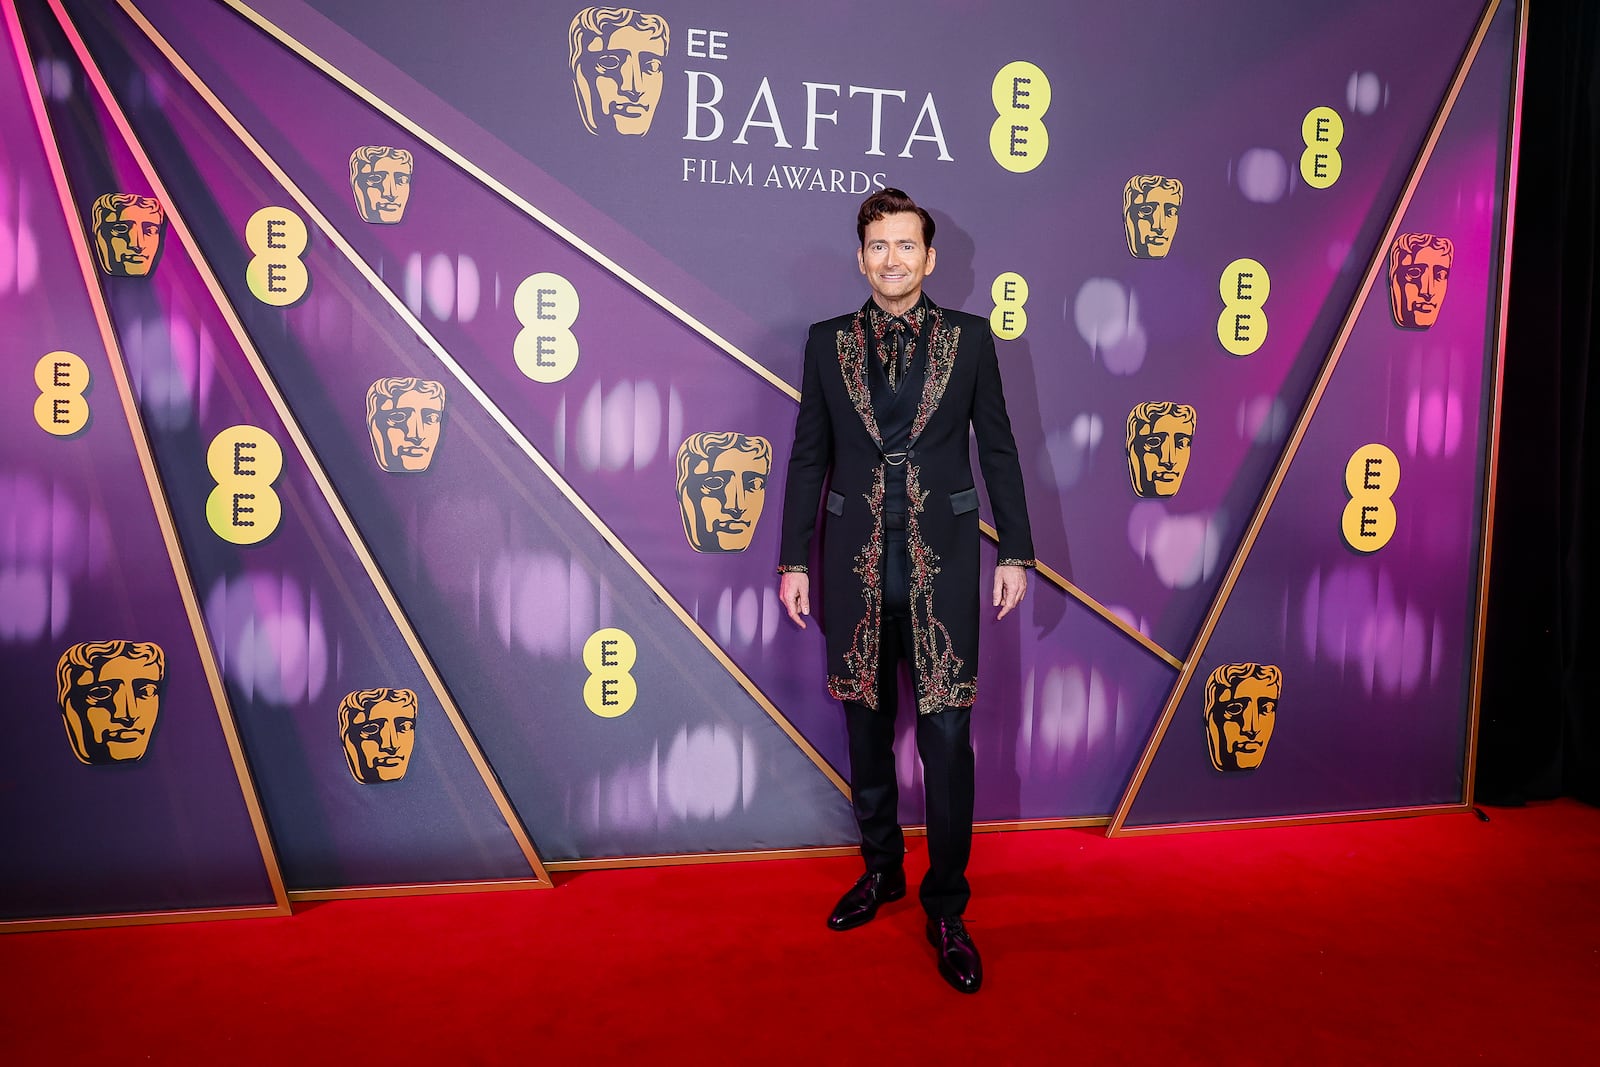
(111, 711)
(382, 188)
(1420, 283)
(723, 498)
(895, 260)
(1162, 455)
(1239, 726)
(378, 742)
(623, 75)
(1153, 222)
(129, 241)
(406, 431)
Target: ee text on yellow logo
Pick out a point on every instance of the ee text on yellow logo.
(1371, 477)
(244, 461)
(60, 408)
(609, 655)
(276, 275)
(1018, 139)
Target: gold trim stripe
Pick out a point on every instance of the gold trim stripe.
(1098, 608)
(683, 859)
(1369, 815)
(1302, 424)
(158, 498)
(416, 129)
(151, 918)
(396, 116)
(418, 889)
(470, 384)
(358, 544)
(1492, 468)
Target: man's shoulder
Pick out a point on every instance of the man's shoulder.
(964, 320)
(835, 324)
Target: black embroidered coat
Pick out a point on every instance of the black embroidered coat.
(836, 431)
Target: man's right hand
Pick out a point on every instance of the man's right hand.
(794, 589)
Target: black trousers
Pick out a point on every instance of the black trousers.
(944, 742)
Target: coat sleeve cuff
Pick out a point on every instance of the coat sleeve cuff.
(792, 568)
(1028, 563)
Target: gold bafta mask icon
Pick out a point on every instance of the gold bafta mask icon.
(1150, 206)
(380, 177)
(1159, 436)
(110, 695)
(1419, 274)
(127, 233)
(379, 729)
(722, 486)
(616, 67)
(404, 416)
(1241, 705)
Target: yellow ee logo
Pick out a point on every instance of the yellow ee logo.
(1320, 164)
(547, 306)
(244, 461)
(609, 655)
(1242, 326)
(1018, 139)
(1371, 477)
(60, 408)
(275, 274)
(1010, 316)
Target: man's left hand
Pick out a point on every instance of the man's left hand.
(1010, 586)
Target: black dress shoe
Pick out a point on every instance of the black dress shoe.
(860, 902)
(958, 956)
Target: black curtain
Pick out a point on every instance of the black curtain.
(1540, 731)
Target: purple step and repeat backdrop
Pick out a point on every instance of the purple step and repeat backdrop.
(397, 403)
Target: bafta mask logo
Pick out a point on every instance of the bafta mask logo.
(1241, 704)
(127, 233)
(381, 179)
(1419, 274)
(110, 695)
(722, 485)
(616, 68)
(1159, 436)
(1150, 205)
(379, 729)
(404, 416)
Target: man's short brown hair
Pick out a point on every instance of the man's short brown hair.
(891, 202)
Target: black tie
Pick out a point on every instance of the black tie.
(900, 355)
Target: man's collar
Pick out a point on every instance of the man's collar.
(913, 318)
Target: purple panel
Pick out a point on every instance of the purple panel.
(473, 545)
(82, 559)
(295, 623)
(614, 424)
(1223, 113)
(1374, 648)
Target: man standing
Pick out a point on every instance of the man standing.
(887, 398)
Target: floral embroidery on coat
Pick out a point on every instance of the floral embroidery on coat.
(941, 361)
(852, 345)
(861, 659)
(938, 668)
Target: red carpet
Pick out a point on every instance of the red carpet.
(1439, 940)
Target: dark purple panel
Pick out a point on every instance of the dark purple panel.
(473, 544)
(82, 559)
(295, 622)
(1222, 111)
(1375, 648)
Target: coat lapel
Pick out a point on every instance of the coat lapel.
(942, 342)
(852, 346)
